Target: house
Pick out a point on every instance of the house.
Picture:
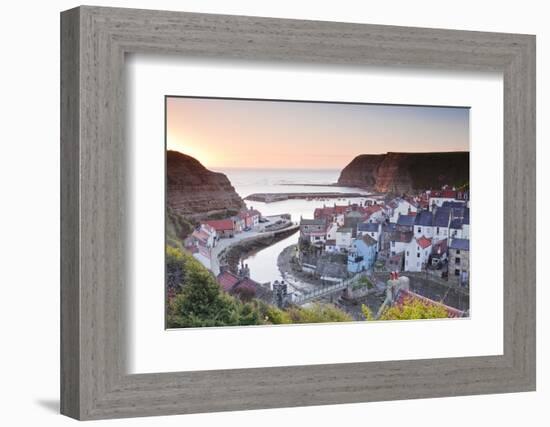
(351, 219)
(224, 227)
(455, 228)
(399, 241)
(331, 213)
(405, 222)
(227, 280)
(344, 238)
(401, 207)
(375, 213)
(423, 224)
(459, 261)
(452, 204)
(250, 217)
(442, 219)
(385, 235)
(331, 231)
(439, 254)
(205, 236)
(330, 246)
(418, 254)
(466, 224)
(243, 287)
(239, 223)
(372, 229)
(438, 197)
(362, 254)
(313, 230)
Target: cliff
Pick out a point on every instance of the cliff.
(196, 192)
(402, 172)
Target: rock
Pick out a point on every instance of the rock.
(194, 191)
(403, 172)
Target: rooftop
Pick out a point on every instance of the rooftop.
(456, 223)
(368, 226)
(227, 280)
(406, 220)
(344, 230)
(318, 221)
(221, 224)
(369, 241)
(423, 218)
(401, 236)
(441, 218)
(460, 244)
(423, 242)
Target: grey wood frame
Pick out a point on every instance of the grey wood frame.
(94, 41)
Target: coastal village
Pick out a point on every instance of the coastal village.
(392, 247)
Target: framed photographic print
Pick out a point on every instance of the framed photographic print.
(292, 213)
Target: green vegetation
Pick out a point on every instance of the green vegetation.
(222, 215)
(195, 299)
(361, 283)
(177, 228)
(411, 309)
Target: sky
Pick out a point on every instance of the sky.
(234, 133)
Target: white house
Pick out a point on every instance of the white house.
(466, 225)
(403, 207)
(417, 254)
(400, 241)
(204, 236)
(314, 230)
(442, 220)
(331, 231)
(423, 224)
(455, 229)
(344, 237)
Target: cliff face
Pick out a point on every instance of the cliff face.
(402, 172)
(194, 191)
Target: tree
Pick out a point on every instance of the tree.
(202, 302)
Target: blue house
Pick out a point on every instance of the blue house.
(362, 254)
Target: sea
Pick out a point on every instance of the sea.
(263, 264)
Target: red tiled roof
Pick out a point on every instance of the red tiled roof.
(329, 211)
(201, 235)
(405, 295)
(227, 280)
(423, 242)
(221, 224)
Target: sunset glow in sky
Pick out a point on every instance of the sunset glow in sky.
(224, 133)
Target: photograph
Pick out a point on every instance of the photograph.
(296, 212)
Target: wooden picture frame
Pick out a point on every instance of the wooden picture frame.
(94, 41)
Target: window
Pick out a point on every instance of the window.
(457, 260)
(437, 230)
(419, 229)
(458, 251)
(457, 272)
(418, 254)
(407, 253)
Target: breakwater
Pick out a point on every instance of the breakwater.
(278, 197)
